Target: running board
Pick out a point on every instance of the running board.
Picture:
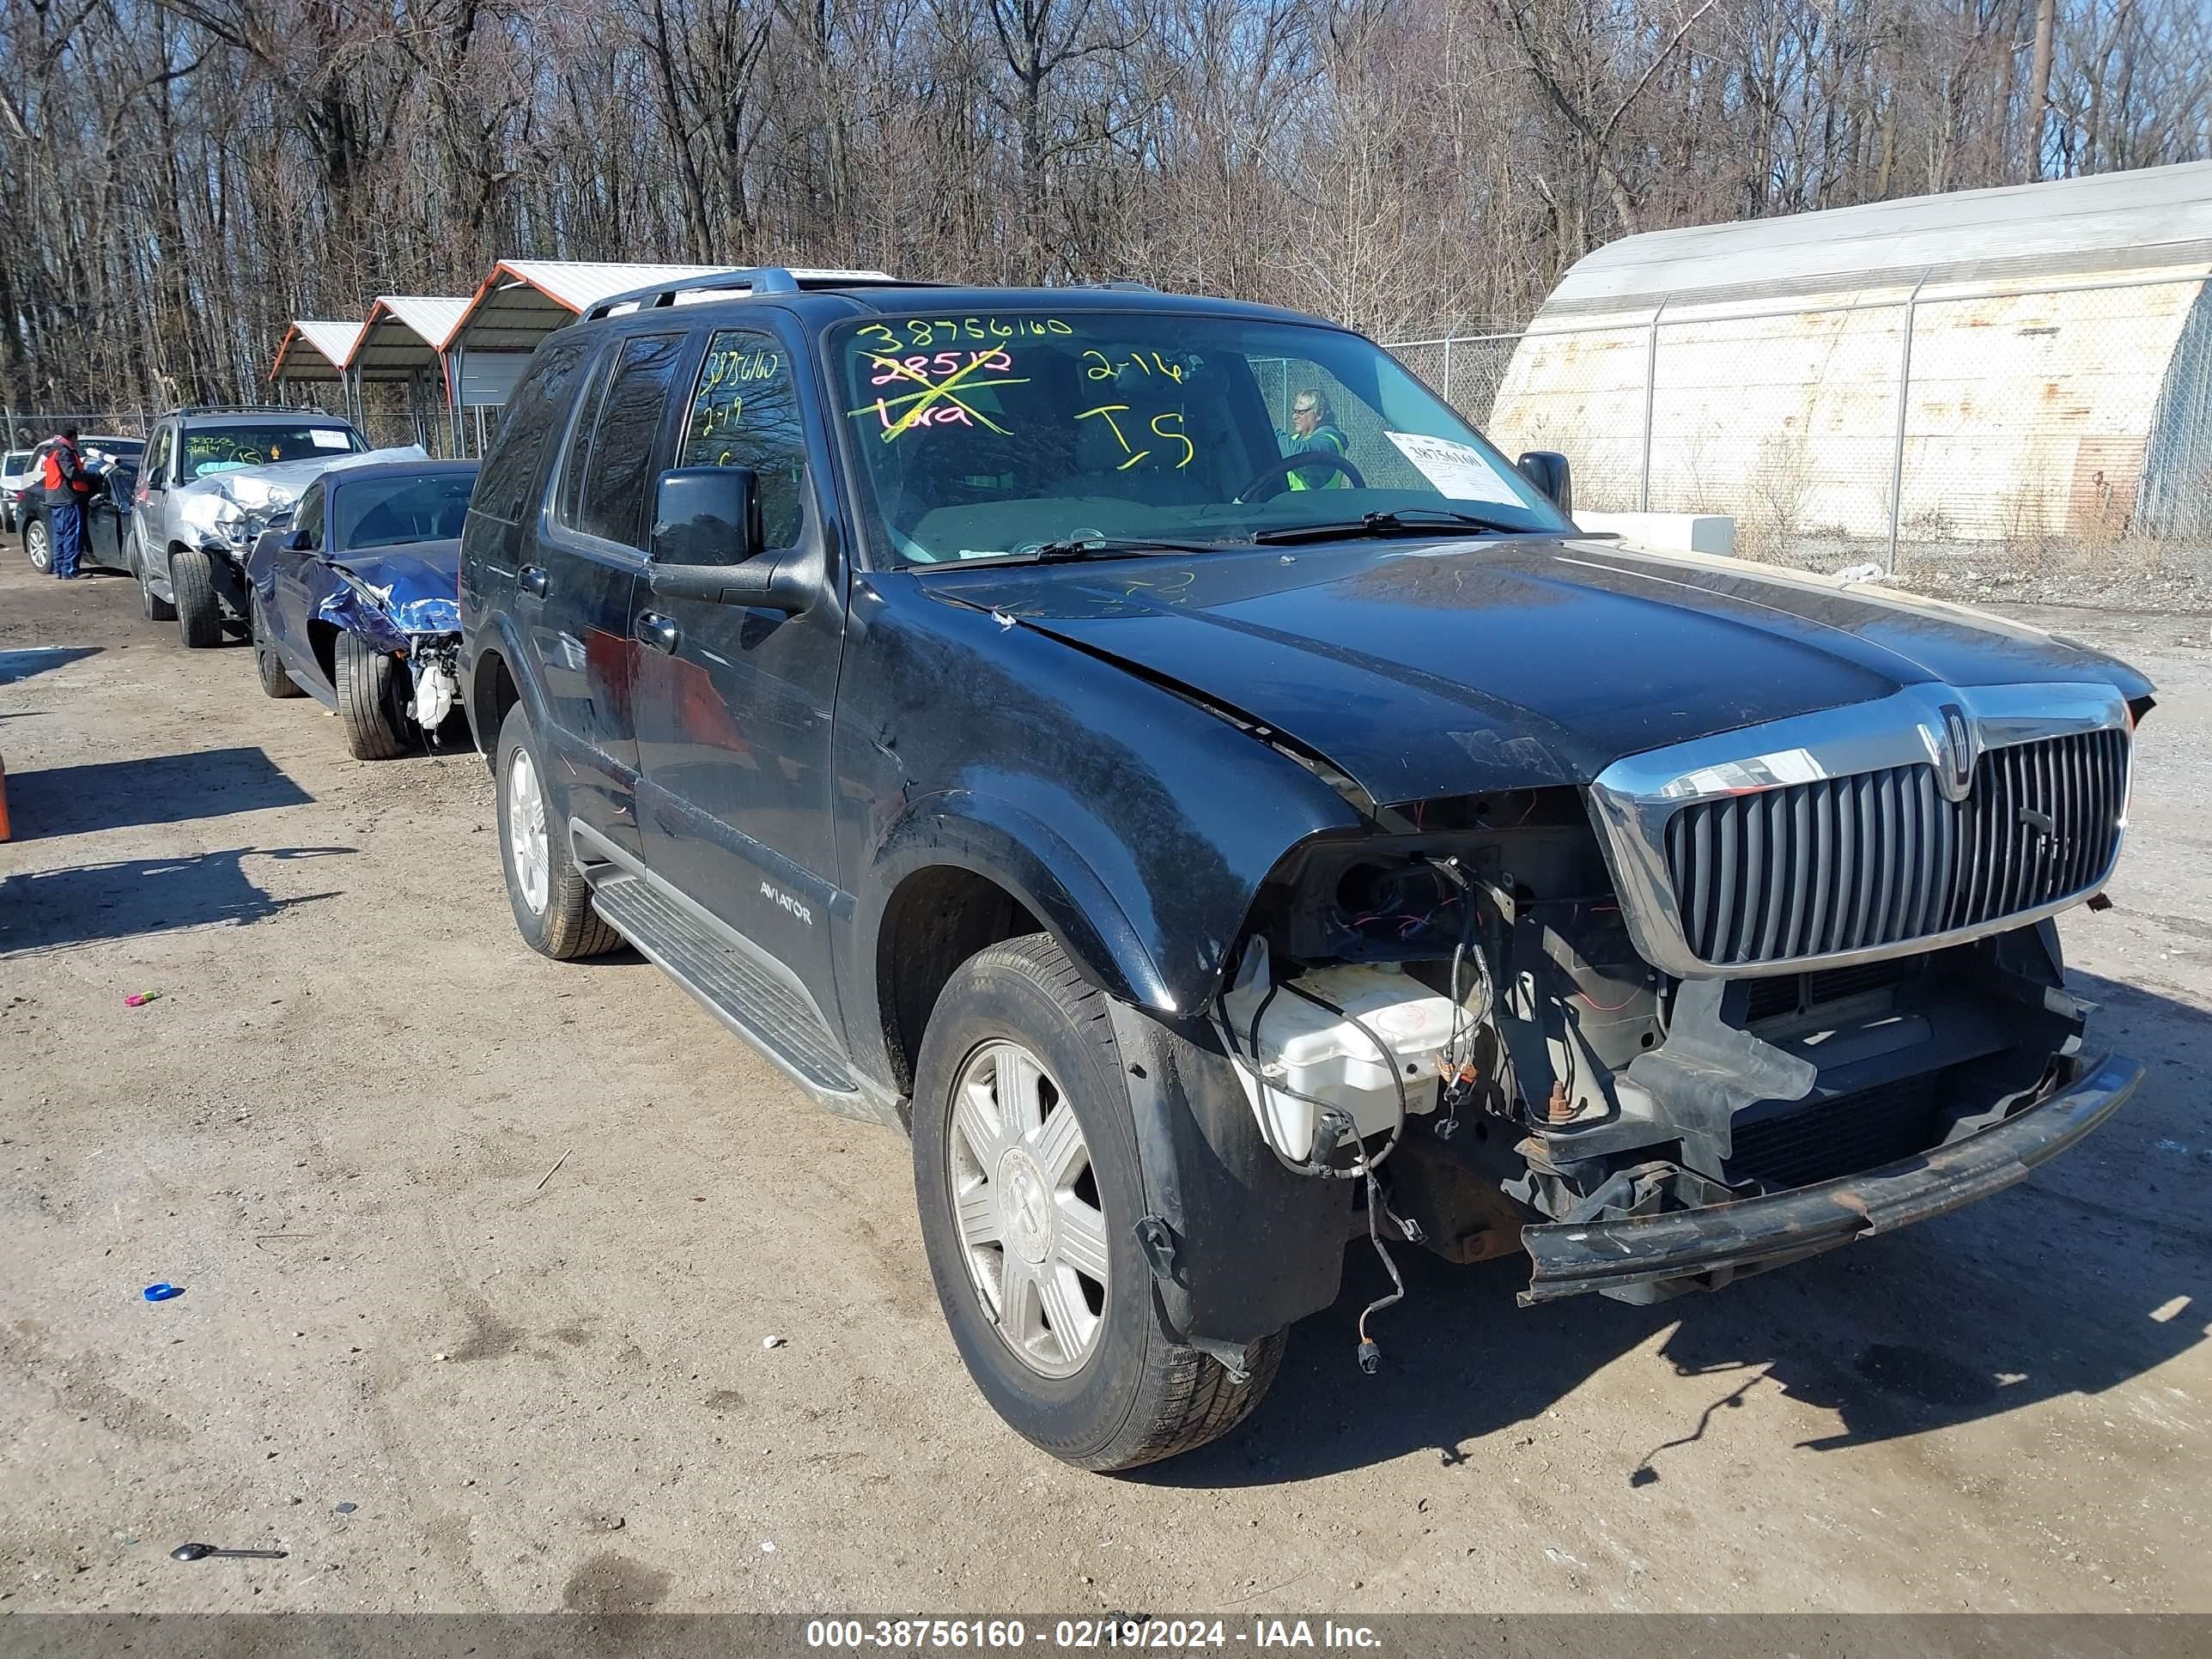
(735, 992)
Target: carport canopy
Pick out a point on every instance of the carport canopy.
(404, 335)
(314, 350)
(523, 300)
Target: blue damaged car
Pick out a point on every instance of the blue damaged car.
(352, 599)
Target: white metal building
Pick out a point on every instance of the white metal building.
(2032, 362)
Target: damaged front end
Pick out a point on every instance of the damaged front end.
(225, 511)
(1736, 1003)
(404, 607)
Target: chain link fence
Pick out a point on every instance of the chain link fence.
(2055, 429)
(388, 421)
(28, 429)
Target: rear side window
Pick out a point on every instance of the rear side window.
(530, 419)
(611, 504)
(576, 460)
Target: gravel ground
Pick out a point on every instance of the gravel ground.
(446, 1373)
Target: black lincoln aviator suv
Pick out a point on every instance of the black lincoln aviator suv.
(1152, 751)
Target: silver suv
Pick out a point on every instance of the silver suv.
(181, 575)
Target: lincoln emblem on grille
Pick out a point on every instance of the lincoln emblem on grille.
(1956, 777)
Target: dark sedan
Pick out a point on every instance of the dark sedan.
(352, 599)
(106, 522)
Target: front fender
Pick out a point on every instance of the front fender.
(506, 644)
(1142, 823)
(998, 839)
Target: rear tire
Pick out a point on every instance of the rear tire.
(199, 613)
(1103, 1387)
(368, 685)
(39, 546)
(276, 682)
(551, 901)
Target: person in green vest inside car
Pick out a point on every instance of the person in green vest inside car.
(1313, 426)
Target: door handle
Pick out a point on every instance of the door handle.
(532, 577)
(658, 631)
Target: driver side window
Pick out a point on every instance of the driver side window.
(744, 412)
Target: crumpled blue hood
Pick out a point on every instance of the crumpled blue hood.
(405, 590)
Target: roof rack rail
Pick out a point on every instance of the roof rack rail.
(756, 279)
(1126, 283)
(246, 409)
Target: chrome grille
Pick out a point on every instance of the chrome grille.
(1881, 857)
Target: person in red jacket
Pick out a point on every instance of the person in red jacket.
(69, 488)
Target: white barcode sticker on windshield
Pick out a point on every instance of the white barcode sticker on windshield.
(328, 437)
(1459, 470)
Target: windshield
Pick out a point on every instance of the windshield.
(225, 448)
(987, 437)
(386, 511)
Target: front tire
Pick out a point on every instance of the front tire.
(368, 685)
(551, 901)
(276, 681)
(1027, 1178)
(38, 544)
(199, 613)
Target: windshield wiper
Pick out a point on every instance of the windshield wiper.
(1110, 547)
(1385, 524)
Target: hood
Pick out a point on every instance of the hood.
(1441, 669)
(416, 586)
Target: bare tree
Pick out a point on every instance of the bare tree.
(186, 175)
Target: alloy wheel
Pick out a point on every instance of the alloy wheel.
(525, 832)
(1032, 1232)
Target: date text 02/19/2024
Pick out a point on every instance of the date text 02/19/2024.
(1007, 1635)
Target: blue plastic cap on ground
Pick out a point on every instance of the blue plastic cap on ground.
(163, 1292)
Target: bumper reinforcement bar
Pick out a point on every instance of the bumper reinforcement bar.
(1574, 1258)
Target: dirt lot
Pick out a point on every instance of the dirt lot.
(444, 1381)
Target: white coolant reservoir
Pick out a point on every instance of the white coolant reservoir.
(1304, 1049)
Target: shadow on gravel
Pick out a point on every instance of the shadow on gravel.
(51, 909)
(31, 660)
(2094, 1270)
(73, 800)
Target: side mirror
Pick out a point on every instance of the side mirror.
(708, 544)
(297, 542)
(1547, 470)
(706, 515)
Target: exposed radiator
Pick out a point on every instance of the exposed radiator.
(1843, 1137)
